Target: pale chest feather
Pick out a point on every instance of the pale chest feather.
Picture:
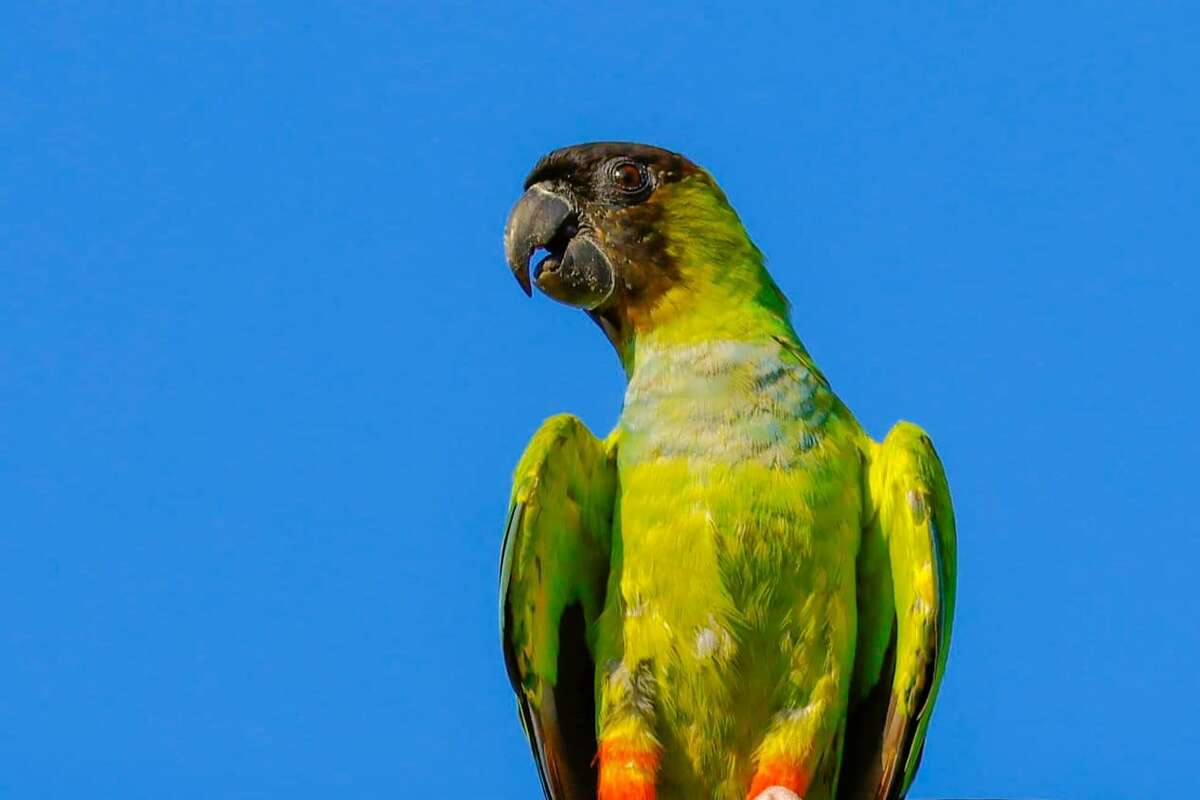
(723, 402)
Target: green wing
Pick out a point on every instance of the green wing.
(906, 605)
(553, 574)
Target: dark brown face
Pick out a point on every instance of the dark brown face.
(592, 209)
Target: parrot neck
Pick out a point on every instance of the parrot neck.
(749, 310)
(718, 289)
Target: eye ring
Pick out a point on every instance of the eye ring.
(628, 176)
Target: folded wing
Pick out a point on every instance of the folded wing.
(553, 574)
(907, 571)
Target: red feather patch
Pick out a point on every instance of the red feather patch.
(779, 772)
(627, 771)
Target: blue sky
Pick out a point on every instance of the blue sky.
(264, 372)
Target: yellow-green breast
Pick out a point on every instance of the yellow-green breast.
(734, 551)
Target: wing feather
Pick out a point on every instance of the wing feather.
(912, 534)
(553, 572)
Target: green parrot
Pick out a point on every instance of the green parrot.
(737, 593)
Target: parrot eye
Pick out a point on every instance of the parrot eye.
(628, 176)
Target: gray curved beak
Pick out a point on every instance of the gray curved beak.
(534, 222)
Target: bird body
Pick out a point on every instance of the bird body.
(739, 525)
(705, 604)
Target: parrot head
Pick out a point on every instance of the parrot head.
(638, 237)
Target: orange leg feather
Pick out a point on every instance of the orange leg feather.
(627, 771)
(779, 772)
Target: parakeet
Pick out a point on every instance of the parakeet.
(737, 593)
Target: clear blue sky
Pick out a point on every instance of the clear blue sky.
(264, 372)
